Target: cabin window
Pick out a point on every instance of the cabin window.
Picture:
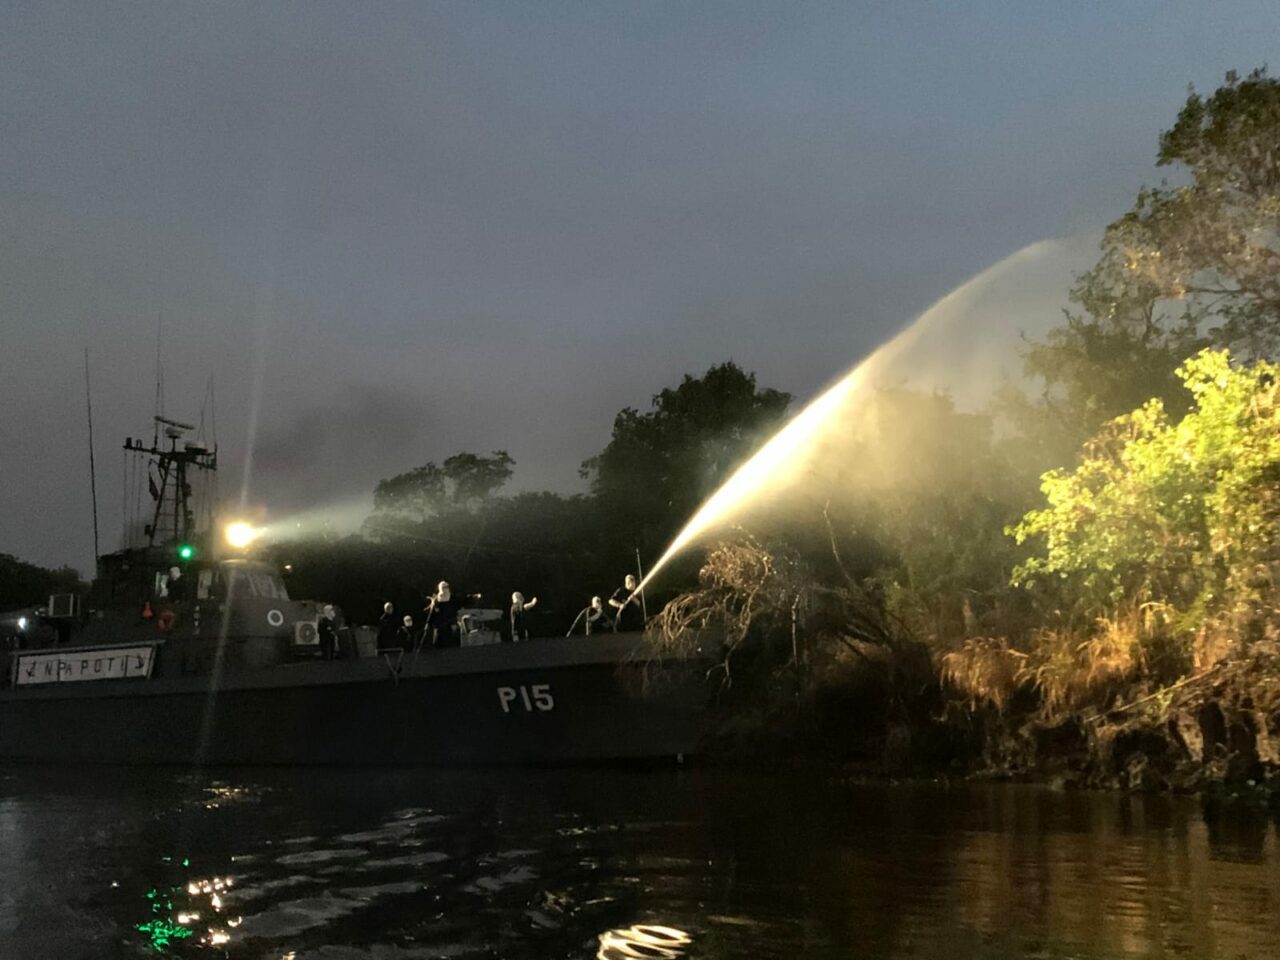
(268, 586)
(255, 584)
(204, 585)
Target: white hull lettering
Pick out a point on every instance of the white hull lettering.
(534, 697)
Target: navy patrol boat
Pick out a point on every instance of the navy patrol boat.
(187, 651)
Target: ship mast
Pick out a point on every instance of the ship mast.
(173, 519)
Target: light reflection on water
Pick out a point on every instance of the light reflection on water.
(617, 864)
(646, 941)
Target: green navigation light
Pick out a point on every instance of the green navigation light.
(186, 552)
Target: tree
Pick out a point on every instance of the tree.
(416, 494)
(472, 479)
(23, 583)
(1181, 516)
(929, 489)
(660, 465)
(1190, 266)
(1094, 369)
(462, 482)
(1212, 245)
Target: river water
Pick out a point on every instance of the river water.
(608, 863)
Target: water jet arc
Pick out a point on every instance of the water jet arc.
(784, 455)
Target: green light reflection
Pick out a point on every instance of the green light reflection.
(160, 929)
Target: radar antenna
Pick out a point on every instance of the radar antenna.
(170, 484)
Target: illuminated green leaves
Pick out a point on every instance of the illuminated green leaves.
(1183, 514)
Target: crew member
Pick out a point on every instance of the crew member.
(406, 636)
(519, 622)
(442, 617)
(327, 631)
(388, 626)
(173, 586)
(627, 614)
(598, 617)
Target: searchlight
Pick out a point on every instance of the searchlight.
(240, 534)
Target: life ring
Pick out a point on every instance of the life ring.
(275, 618)
(165, 620)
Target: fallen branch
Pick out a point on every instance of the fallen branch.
(1165, 690)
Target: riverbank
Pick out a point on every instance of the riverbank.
(1215, 733)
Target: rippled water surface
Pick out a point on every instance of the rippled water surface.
(616, 864)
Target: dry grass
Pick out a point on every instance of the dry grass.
(1213, 643)
(1075, 671)
(1071, 669)
(984, 670)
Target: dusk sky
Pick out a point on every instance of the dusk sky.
(402, 231)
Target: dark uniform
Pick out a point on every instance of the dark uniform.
(406, 637)
(598, 620)
(388, 627)
(629, 616)
(176, 587)
(328, 634)
(519, 623)
(442, 622)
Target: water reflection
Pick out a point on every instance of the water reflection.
(194, 912)
(646, 941)
(615, 864)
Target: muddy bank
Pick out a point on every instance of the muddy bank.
(1216, 734)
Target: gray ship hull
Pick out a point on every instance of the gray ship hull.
(545, 701)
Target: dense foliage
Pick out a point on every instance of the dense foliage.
(1182, 513)
(1193, 264)
(23, 583)
(661, 464)
(1141, 588)
(464, 481)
